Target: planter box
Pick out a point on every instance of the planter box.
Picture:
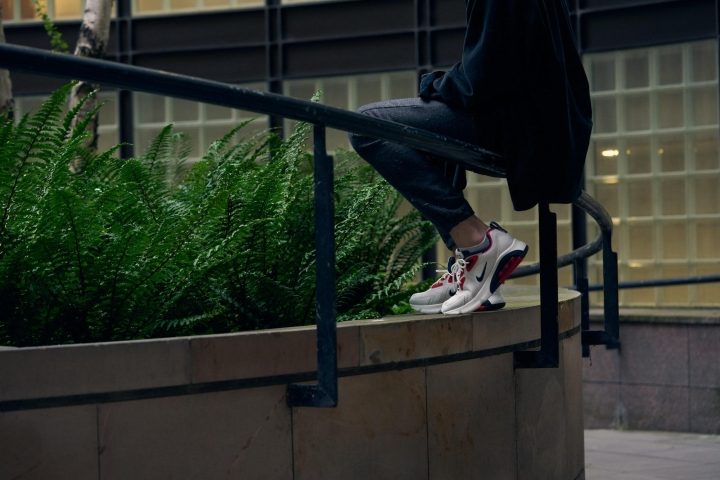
(421, 396)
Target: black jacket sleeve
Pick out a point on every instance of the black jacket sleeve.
(520, 64)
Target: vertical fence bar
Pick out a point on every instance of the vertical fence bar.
(549, 354)
(325, 392)
(580, 270)
(611, 303)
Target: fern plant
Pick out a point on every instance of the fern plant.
(152, 247)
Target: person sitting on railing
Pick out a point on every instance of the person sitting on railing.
(519, 89)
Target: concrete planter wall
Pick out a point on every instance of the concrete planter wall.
(421, 397)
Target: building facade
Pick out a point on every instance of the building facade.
(652, 64)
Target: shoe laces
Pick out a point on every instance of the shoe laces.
(452, 271)
(458, 268)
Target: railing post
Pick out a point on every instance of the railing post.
(549, 354)
(580, 271)
(325, 392)
(611, 303)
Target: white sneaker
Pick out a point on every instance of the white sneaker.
(431, 300)
(478, 275)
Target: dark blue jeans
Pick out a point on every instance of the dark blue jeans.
(420, 177)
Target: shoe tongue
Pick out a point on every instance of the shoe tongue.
(451, 262)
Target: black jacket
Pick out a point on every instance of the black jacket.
(520, 65)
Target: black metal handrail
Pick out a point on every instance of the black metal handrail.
(468, 156)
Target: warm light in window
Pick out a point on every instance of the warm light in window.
(635, 264)
(661, 151)
(610, 153)
(610, 180)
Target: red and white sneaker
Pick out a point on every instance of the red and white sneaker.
(431, 300)
(478, 275)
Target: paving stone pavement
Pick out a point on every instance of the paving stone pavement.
(629, 455)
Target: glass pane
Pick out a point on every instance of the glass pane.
(644, 296)
(704, 61)
(670, 109)
(150, 108)
(403, 85)
(216, 3)
(603, 74)
(679, 295)
(486, 199)
(637, 112)
(27, 10)
(182, 4)
(708, 232)
(704, 104)
(184, 110)
(707, 294)
(303, 89)
(337, 139)
(671, 151)
(639, 199)
(670, 65)
(707, 194)
(672, 192)
(192, 137)
(108, 112)
(143, 139)
(368, 90)
(638, 155)
(149, 5)
(674, 240)
(215, 112)
(705, 149)
(213, 133)
(604, 113)
(107, 139)
(68, 8)
(606, 157)
(335, 93)
(607, 194)
(642, 242)
(636, 70)
(8, 9)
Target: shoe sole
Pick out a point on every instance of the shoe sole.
(507, 264)
(427, 308)
(490, 307)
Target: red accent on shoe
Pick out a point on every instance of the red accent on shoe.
(509, 268)
(471, 262)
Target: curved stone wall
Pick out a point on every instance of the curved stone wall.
(421, 397)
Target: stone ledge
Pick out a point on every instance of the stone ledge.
(76, 370)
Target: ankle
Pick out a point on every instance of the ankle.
(469, 233)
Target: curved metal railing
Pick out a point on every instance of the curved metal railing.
(468, 156)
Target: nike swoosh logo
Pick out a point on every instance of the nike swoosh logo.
(482, 275)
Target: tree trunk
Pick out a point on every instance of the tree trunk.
(7, 103)
(92, 42)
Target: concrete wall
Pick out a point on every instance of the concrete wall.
(421, 397)
(667, 376)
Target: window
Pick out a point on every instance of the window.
(202, 123)
(654, 163)
(159, 6)
(107, 126)
(14, 10)
(350, 93)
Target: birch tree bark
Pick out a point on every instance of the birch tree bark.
(7, 102)
(92, 42)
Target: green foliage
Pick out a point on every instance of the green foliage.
(57, 43)
(153, 247)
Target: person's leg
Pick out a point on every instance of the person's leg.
(422, 180)
(419, 176)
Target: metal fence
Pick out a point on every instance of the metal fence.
(468, 156)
